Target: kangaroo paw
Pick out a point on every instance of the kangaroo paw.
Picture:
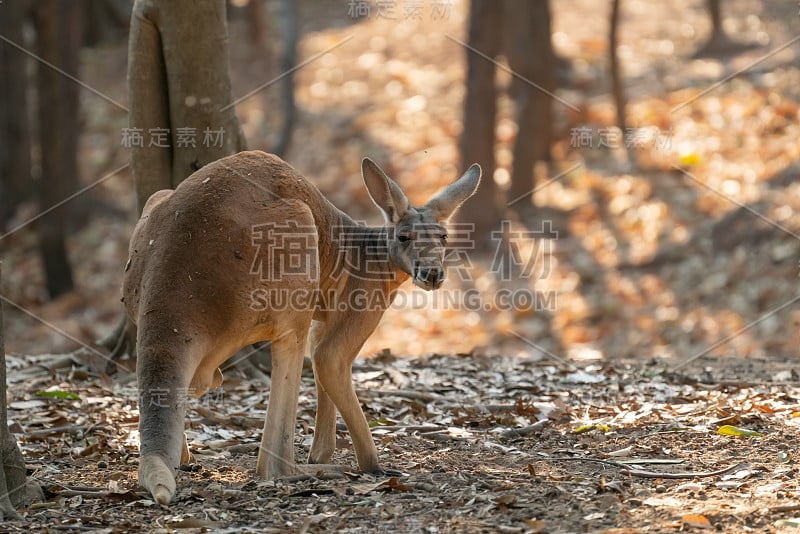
(157, 478)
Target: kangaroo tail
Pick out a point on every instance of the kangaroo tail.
(163, 388)
(157, 477)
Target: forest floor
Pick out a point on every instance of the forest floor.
(484, 444)
(670, 303)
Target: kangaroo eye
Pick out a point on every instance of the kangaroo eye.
(444, 237)
(403, 238)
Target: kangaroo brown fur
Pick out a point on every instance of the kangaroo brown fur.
(195, 265)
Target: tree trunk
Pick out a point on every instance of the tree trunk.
(719, 43)
(58, 33)
(617, 88)
(531, 55)
(715, 11)
(617, 85)
(182, 89)
(480, 110)
(15, 149)
(255, 23)
(182, 92)
(290, 26)
(12, 464)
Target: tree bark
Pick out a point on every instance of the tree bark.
(12, 464)
(531, 55)
(718, 43)
(617, 86)
(58, 33)
(255, 23)
(291, 29)
(15, 148)
(715, 11)
(184, 89)
(617, 89)
(480, 111)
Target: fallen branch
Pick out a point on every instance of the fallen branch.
(229, 420)
(410, 428)
(441, 436)
(703, 474)
(524, 431)
(64, 429)
(784, 508)
(85, 494)
(403, 393)
(642, 473)
(302, 477)
(88, 492)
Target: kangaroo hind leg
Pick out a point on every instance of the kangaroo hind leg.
(276, 455)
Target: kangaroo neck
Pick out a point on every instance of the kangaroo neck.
(360, 257)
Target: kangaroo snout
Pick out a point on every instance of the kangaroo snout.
(429, 277)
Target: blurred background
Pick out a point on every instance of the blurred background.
(641, 167)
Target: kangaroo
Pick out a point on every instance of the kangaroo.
(246, 250)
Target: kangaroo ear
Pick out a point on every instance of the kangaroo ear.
(384, 191)
(446, 202)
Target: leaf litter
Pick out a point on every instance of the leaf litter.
(651, 267)
(476, 445)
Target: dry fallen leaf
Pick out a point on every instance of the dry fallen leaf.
(696, 521)
(730, 430)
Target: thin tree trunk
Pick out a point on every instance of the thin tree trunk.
(12, 464)
(531, 55)
(617, 86)
(480, 110)
(255, 23)
(15, 149)
(718, 42)
(291, 28)
(715, 11)
(58, 41)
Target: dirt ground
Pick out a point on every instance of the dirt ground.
(674, 314)
(484, 444)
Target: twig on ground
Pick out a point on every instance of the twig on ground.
(703, 474)
(411, 428)
(65, 429)
(524, 431)
(229, 420)
(641, 473)
(404, 393)
(785, 508)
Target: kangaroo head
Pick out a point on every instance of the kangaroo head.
(416, 234)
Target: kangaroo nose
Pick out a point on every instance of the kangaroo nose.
(432, 275)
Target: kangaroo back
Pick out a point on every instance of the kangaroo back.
(236, 229)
